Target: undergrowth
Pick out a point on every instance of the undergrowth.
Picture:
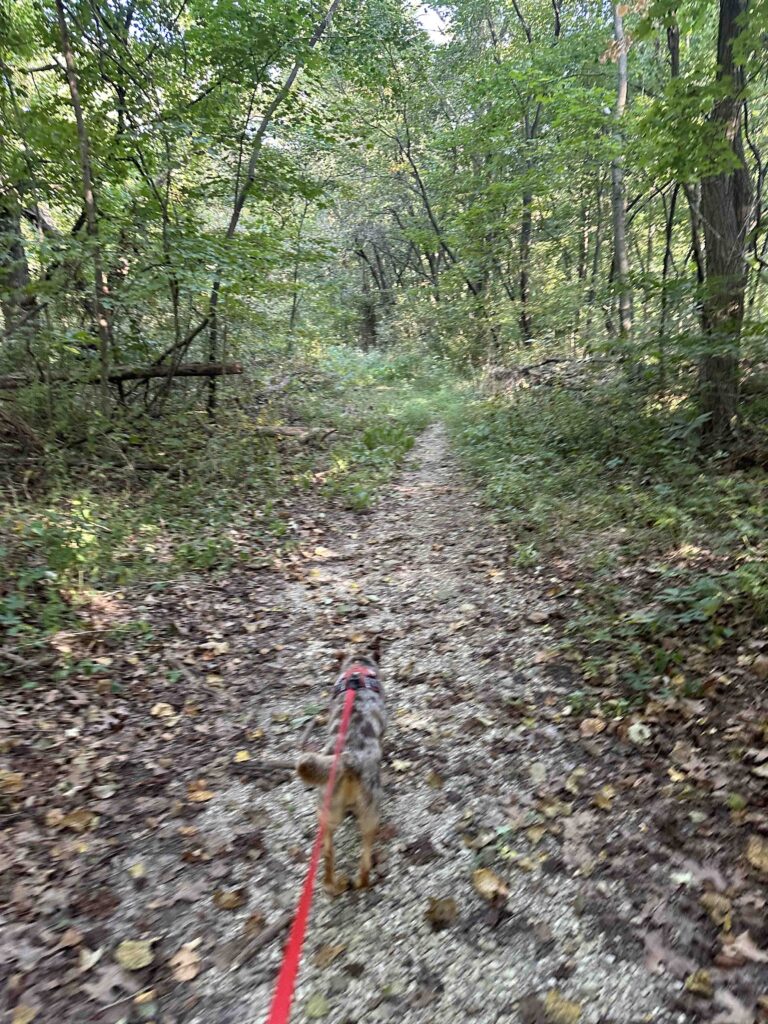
(664, 552)
(145, 502)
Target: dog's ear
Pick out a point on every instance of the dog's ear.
(375, 649)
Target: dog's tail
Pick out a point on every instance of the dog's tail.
(314, 769)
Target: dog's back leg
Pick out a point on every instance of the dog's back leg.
(333, 882)
(368, 820)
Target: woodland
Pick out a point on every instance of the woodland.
(259, 259)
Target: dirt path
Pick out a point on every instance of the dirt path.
(480, 773)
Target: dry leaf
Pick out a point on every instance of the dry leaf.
(639, 734)
(603, 798)
(317, 1006)
(560, 1010)
(185, 963)
(134, 954)
(401, 766)
(23, 1014)
(70, 938)
(441, 912)
(489, 885)
(11, 782)
(719, 909)
(591, 726)
(230, 899)
(162, 710)
(757, 853)
(88, 958)
(327, 954)
(198, 793)
(742, 947)
(241, 757)
(573, 780)
(137, 870)
(79, 820)
(700, 984)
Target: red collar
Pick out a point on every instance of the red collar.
(357, 677)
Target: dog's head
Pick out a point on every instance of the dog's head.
(365, 654)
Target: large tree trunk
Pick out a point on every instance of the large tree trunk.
(621, 255)
(89, 198)
(726, 203)
(15, 302)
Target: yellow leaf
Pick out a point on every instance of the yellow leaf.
(489, 885)
(162, 711)
(137, 870)
(198, 793)
(11, 782)
(23, 1014)
(241, 756)
(757, 853)
(561, 1010)
(591, 726)
(603, 798)
(134, 954)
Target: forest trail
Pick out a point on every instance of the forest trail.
(478, 773)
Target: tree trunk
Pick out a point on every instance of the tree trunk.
(621, 255)
(89, 198)
(15, 302)
(726, 203)
(526, 227)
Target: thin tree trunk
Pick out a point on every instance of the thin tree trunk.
(726, 204)
(89, 199)
(621, 256)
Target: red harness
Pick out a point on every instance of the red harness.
(357, 677)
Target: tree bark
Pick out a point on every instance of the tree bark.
(726, 206)
(621, 255)
(89, 198)
(13, 381)
(15, 302)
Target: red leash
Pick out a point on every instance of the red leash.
(286, 979)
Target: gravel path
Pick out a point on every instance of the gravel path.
(174, 818)
(473, 779)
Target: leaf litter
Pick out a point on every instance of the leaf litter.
(173, 770)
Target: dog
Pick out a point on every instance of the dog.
(357, 787)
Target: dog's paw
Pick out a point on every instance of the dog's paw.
(362, 880)
(337, 885)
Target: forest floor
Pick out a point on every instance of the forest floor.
(532, 868)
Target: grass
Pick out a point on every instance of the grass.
(224, 494)
(665, 552)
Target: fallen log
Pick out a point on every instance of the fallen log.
(298, 433)
(121, 373)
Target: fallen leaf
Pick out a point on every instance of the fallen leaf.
(734, 1011)
(757, 853)
(137, 870)
(743, 947)
(79, 820)
(162, 710)
(198, 792)
(719, 909)
(11, 782)
(489, 885)
(185, 963)
(441, 912)
(241, 757)
(317, 1006)
(639, 733)
(560, 1010)
(538, 773)
(89, 958)
(435, 781)
(230, 899)
(23, 1014)
(700, 984)
(70, 938)
(401, 766)
(325, 955)
(133, 954)
(591, 727)
(603, 798)
(573, 780)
